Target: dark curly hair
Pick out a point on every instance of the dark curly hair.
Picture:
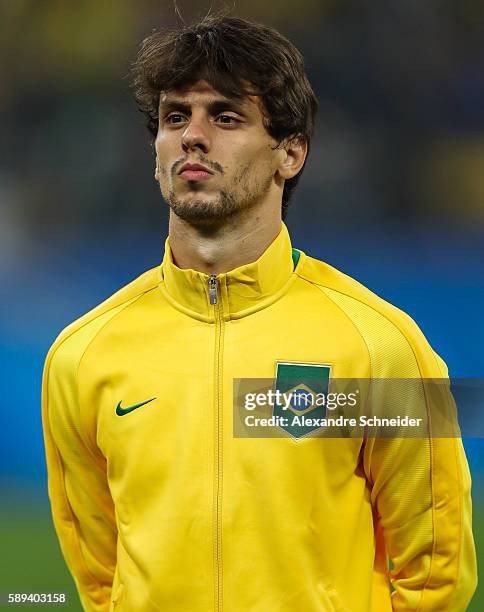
(237, 58)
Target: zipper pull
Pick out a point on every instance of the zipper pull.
(212, 288)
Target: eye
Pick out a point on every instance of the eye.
(227, 119)
(175, 118)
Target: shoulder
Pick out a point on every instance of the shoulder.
(391, 335)
(73, 340)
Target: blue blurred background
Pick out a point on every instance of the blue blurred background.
(393, 194)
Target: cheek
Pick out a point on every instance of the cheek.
(259, 157)
(162, 161)
(164, 147)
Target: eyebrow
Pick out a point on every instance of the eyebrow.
(214, 106)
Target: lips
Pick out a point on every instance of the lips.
(195, 172)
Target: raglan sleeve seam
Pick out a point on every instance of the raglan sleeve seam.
(90, 444)
(72, 520)
(432, 490)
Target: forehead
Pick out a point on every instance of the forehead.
(202, 93)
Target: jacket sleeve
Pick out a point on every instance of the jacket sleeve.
(82, 507)
(420, 491)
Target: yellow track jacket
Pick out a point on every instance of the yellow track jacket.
(158, 507)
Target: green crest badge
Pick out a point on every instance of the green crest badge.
(301, 387)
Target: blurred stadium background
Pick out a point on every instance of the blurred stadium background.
(393, 194)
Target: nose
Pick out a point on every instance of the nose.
(196, 135)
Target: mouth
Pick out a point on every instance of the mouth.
(195, 172)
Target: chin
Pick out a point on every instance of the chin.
(203, 210)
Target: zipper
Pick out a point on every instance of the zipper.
(218, 474)
(212, 289)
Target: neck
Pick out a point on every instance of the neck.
(214, 249)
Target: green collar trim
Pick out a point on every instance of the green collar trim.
(295, 257)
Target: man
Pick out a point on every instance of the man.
(157, 504)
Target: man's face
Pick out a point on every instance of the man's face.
(200, 126)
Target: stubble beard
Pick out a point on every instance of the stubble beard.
(245, 193)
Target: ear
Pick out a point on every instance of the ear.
(295, 151)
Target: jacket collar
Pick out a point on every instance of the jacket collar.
(240, 291)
